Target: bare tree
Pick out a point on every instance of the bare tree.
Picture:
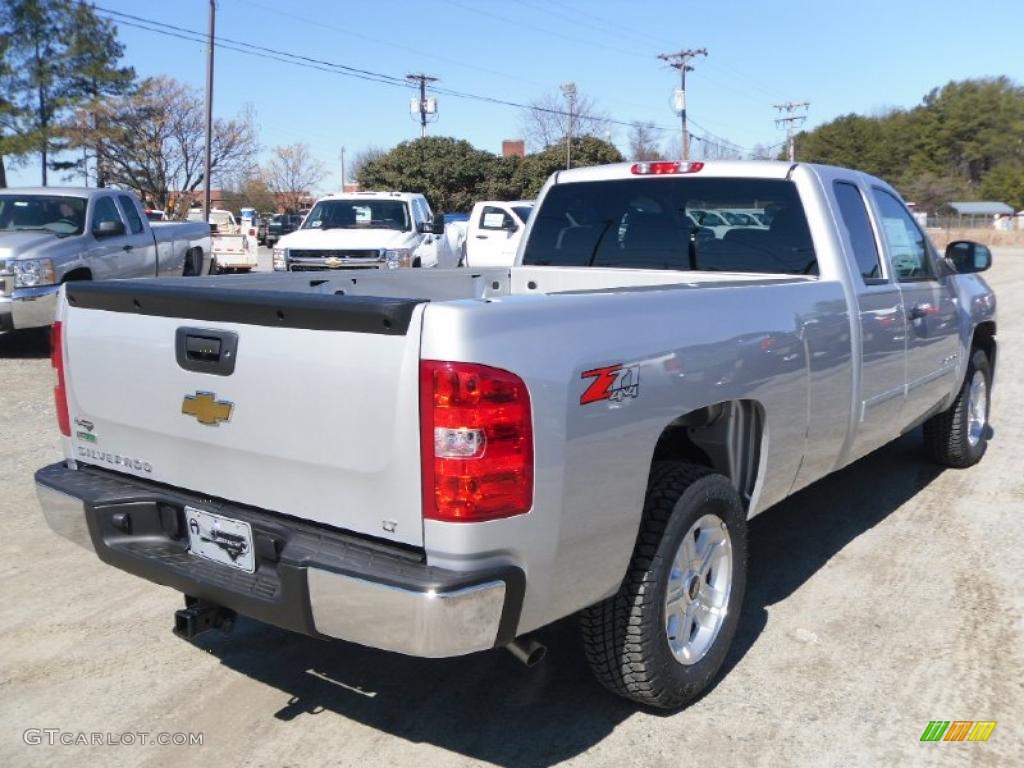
(546, 121)
(643, 142)
(705, 148)
(362, 157)
(761, 152)
(293, 174)
(152, 139)
(249, 191)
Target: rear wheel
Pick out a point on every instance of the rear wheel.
(958, 437)
(661, 639)
(193, 263)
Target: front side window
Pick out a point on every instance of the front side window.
(495, 218)
(359, 214)
(104, 210)
(908, 249)
(854, 215)
(666, 223)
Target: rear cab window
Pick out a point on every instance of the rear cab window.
(677, 223)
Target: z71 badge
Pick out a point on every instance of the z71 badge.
(613, 382)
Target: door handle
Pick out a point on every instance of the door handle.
(206, 350)
(922, 310)
(127, 248)
(481, 237)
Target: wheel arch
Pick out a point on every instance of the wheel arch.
(984, 338)
(78, 273)
(729, 437)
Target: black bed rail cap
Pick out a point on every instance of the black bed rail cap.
(285, 309)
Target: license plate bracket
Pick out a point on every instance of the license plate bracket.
(221, 539)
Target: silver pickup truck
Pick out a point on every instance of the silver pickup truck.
(440, 462)
(51, 235)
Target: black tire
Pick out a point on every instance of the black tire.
(193, 263)
(625, 637)
(946, 435)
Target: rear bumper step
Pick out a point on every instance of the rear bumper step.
(309, 579)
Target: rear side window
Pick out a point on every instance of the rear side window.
(854, 214)
(134, 220)
(673, 223)
(907, 248)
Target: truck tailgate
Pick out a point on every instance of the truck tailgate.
(318, 419)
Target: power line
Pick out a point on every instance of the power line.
(681, 61)
(790, 121)
(354, 71)
(350, 32)
(321, 65)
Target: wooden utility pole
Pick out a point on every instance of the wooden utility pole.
(790, 121)
(681, 60)
(422, 80)
(209, 115)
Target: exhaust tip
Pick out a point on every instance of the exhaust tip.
(528, 651)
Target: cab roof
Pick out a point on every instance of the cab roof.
(756, 169)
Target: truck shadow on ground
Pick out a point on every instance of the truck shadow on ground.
(489, 707)
(33, 343)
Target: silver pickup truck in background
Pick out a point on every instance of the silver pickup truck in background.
(52, 235)
(437, 462)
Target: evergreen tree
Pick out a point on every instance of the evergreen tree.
(58, 55)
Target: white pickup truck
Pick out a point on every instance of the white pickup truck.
(441, 462)
(493, 233)
(363, 230)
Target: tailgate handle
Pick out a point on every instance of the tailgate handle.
(206, 350)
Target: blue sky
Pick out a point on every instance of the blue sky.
(842, 57)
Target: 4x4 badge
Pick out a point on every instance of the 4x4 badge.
(207, 408)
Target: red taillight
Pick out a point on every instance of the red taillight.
(476, 433)
(663, 167)
(60, 394)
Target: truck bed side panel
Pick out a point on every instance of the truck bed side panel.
(691, 347)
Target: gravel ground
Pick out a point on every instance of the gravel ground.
(881, 598)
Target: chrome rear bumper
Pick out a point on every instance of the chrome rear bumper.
(308, 579)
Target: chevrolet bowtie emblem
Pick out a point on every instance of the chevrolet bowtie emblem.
(207, 408)
(333, 262)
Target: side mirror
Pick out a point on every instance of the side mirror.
(509, 225)
(967, 257)
(425, 227)
(437, 227)
(108, 229)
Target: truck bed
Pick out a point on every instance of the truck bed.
(458, 284)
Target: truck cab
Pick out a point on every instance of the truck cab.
(54, 235)
(363, 230)
(494, 231)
